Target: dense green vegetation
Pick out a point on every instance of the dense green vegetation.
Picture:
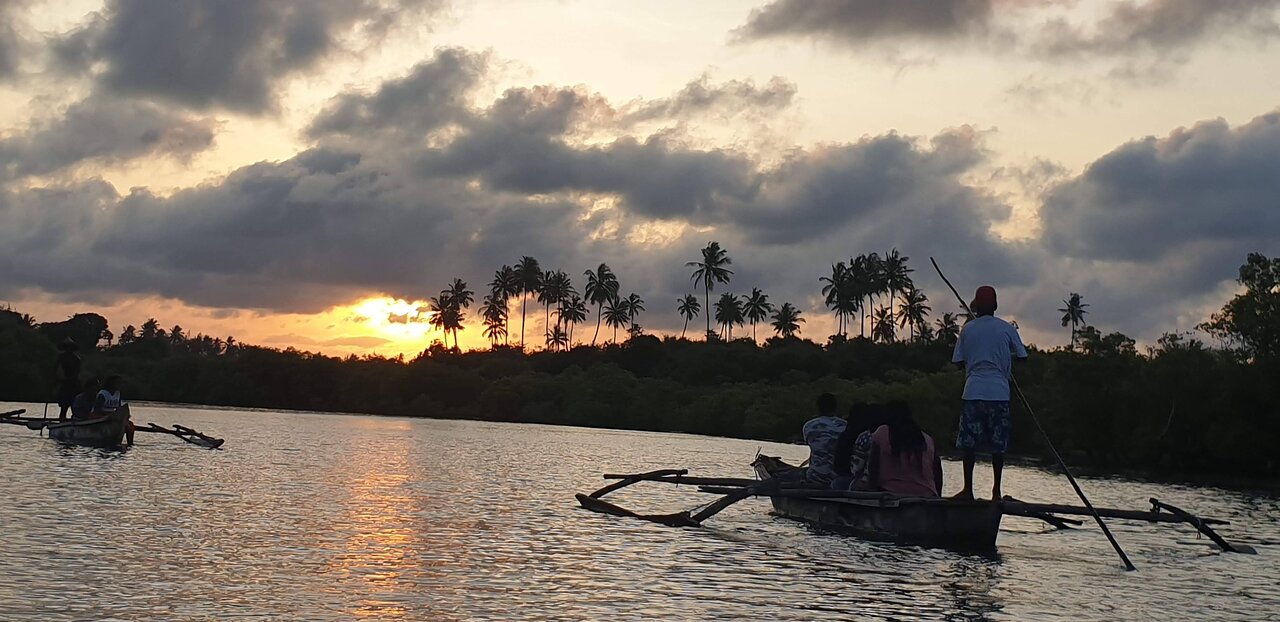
(1178, 407)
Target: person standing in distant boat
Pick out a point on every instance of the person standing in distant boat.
(108, 402)
(66, 370)
(985, 350)
(822, 433)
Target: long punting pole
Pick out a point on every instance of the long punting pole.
(1128, 565)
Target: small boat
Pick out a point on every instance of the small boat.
(933, 522)
(104, 432)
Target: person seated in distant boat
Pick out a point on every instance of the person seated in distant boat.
(904, 460)
(82, 405)
(854, 445)
(108, 402)
(821, 435)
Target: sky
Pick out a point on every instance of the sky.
(305, 173)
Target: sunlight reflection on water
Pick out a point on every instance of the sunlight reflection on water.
(330, 517)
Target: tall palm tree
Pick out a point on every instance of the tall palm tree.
(615, 315)
(896, 275)
(446, 315)
(556, 287)
(529, 275)
(711, 270)
(837, 285)
(948, 328)
(1073, 314)
(786, 321)
(505, 286)
(494, 311)
(882, 325)
(757, 308)
(460, 298)
(689, 308)
(602, 288)
(914, 311)
(573, 311)
(729, 313)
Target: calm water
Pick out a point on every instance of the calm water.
(332, 517)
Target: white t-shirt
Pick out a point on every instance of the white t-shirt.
(986, 347)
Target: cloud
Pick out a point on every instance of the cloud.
(431, 96)
(1148, 199)
(862, 22)
(212, 54)
(1159, 26)
(700, 97)
(103, 130)
(12, 38)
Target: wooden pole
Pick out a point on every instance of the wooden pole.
(1067, 471)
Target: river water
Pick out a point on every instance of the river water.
(336, 517)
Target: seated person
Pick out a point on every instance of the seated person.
(82, 405)
(108, 402)
(821, 434)
(854, 445)
(904, 460)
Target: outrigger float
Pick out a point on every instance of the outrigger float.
(962, 525)
(104, 432)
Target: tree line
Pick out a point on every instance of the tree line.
(1179, 406)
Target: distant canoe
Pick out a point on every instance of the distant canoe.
(102, 432)
(933, 522)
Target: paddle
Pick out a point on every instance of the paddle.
(185, 434)
(1062, 463)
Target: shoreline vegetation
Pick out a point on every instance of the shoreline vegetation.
(1179, 409)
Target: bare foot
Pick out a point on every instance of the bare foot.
(963, 495)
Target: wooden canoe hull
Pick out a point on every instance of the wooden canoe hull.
(942, 523)
(106, 432)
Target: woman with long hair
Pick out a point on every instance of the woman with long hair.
(903, 459)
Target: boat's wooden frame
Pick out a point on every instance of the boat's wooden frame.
(103, 432)
(936, 522)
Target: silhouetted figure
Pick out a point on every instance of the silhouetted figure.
(854, 446)
(904, 459)
(67, 372)
(821, 434)
(82, 405)
(986, 349)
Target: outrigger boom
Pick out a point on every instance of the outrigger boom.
(939, 522)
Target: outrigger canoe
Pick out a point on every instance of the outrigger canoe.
(934, 522)
(104, 432)
(969, 526)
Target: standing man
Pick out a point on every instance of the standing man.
(67, 371)
(985, 350)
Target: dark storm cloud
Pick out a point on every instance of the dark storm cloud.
(12, 41)
(210, 53)
(1152, 197)
(860, 22)
(432, 95)
(103, 130)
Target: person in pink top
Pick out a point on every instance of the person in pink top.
(904, 460)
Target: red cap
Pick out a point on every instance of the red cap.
(984, 301)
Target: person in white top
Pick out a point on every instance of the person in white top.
(986, 349)
(108, 402)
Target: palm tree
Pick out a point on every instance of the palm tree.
(689, 308)
(557, 338)
(1073, 314)
(634, 305)
(615, 315)
(948, 328)
(555, 289)
(177, 335)
(914, 311)
(445, 315)
(837, 285)
(729, 313)
(529, 276)
(882, 325)
(711, 270)
(602, 288)
(128, 335)
(896, 276)
(786, 321)
(757, 308)
(572, 312)
(504, 286)
(459, 297)
(494, 312)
